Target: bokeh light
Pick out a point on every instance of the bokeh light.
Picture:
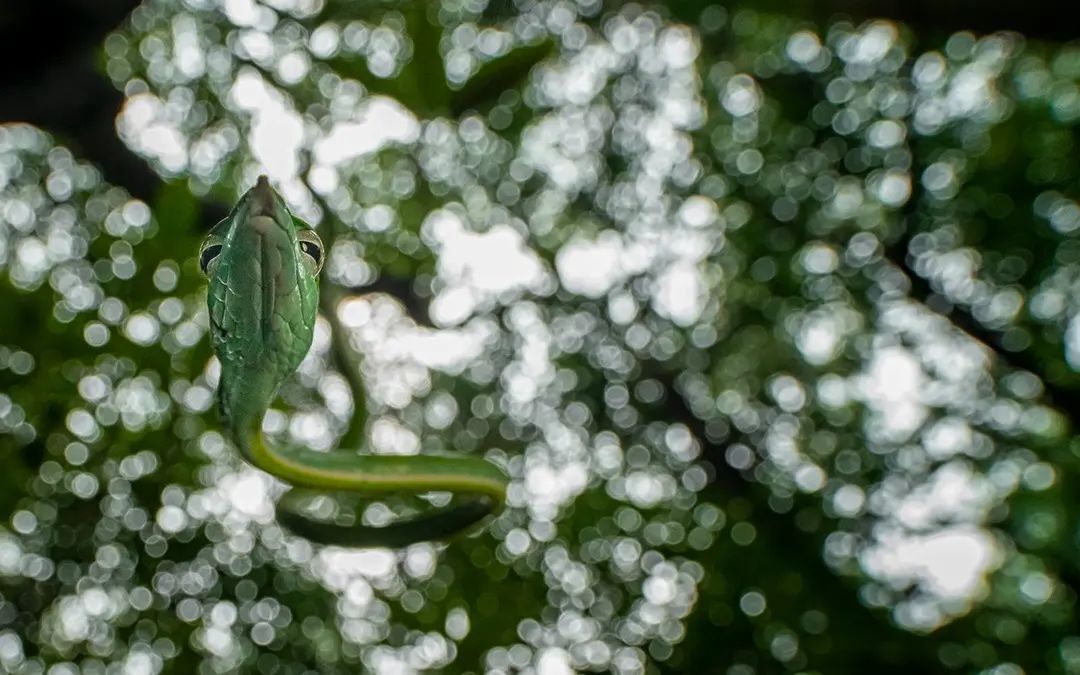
(770, 323)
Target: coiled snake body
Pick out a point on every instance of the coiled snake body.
(262, 264)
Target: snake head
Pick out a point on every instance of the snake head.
(262, 264)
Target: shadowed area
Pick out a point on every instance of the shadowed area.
(433, 526)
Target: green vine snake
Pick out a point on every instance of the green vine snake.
(262, 264)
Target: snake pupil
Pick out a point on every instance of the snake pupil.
(208, 255)
(313, 250)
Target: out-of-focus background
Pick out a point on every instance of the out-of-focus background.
(770, 311)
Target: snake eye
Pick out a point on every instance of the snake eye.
(312, 248)
(207, 258)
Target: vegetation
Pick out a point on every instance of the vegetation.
(771, 319)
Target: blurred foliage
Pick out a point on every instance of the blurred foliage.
(773, 324)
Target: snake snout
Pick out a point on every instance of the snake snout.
(262, 198)
(264, 224)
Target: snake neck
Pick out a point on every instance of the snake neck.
(243, 398)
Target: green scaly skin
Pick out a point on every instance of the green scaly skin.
(262, 299)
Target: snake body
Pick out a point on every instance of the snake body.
(262, 264)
